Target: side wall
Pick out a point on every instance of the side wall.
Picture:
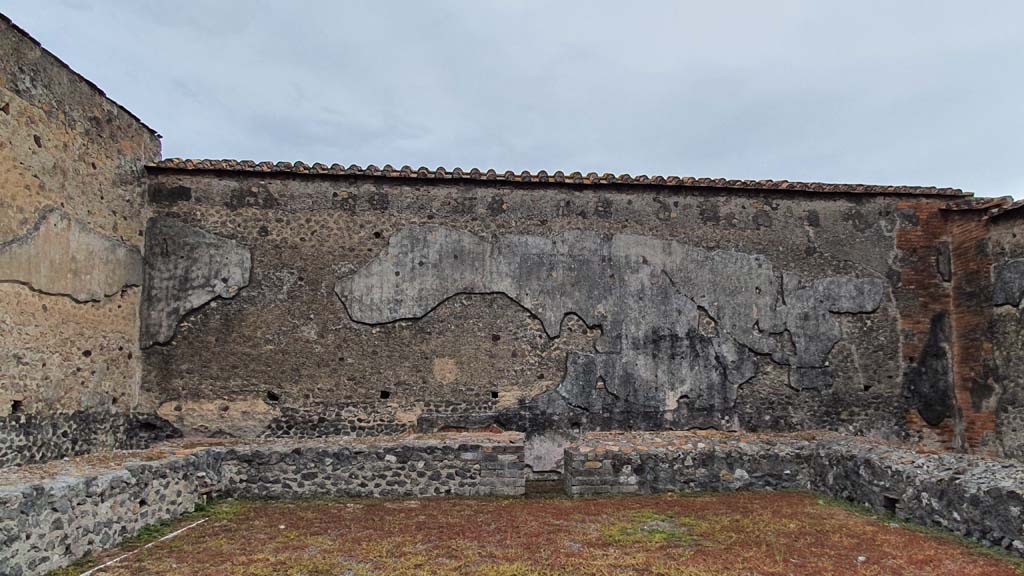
(1007, 245)
(360, 306)
(72, 216)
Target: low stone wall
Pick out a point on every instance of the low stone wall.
(973, 496)
(34, 438)
(47, 524)
(408, 468)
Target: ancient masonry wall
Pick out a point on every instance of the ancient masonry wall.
(49, 524)
(970, 495)
(360, 305)
(72, 215)
(1007, 328)
(555, 309)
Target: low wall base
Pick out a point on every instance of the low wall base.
(54, 514)
(973, 496)
(45, 525)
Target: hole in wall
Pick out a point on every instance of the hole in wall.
(6, 108)
(17, 406)
(148, 427)
(495, 337)
(273, 396)
(38, 140)
(889, 503)
(494, 394)
(385, 394)
(87, 353)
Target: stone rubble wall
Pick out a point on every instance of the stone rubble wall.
(49, 524)
(72, 216)
(973, 496)
(390, 471)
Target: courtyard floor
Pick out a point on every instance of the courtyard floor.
(738, 534)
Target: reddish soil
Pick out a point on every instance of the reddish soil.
(741, 534)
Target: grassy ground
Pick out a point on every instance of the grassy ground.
(742, 534)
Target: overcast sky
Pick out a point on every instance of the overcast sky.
(925, 92)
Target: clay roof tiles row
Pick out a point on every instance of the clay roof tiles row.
(441, 173)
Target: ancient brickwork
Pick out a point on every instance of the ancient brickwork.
(71, 220)
(924, 299)
(976, 391)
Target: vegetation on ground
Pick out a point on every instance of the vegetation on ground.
(736, 534)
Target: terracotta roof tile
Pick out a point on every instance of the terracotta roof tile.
(1015, 207)
(441, 173)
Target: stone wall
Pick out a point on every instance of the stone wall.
(1007, 328)
(48, 524)
(973, 496)
(72, 217)
(378, 305)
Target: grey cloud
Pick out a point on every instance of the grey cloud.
(915, 92)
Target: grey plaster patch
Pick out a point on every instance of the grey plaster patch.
(681, 325)
(1008, 286)
(62, 256)
(185, 268)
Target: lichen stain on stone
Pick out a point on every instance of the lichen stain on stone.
(63, 257)
(647, 295)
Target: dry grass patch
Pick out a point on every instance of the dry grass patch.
(741, 534)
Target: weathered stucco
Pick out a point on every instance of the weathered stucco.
(680, 326)
(567, 309)
(186, 268)
(72, 211)
(64, 257)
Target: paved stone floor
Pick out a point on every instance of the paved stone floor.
(727, 534)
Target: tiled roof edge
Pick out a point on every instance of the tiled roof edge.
(542, 176)
(1014, 207)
